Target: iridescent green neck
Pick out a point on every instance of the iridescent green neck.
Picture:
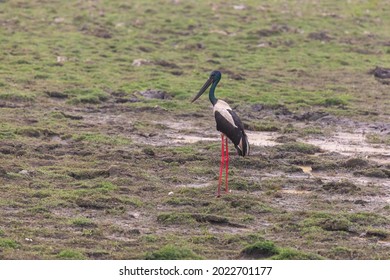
(212, 97)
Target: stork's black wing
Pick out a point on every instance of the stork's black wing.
(235, 132)
(236, 119)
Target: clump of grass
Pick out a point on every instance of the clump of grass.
(134, 201)
(70, 255)
(102, 139)
(312, 131)
(267, 249)
(245, 204)
(289, 128)
(82, 222)
(93, 96)
(374, 172)
(172, 252)
(88, 174)
(150, 238)
(175, 218)
(334, 101)
(368, 219)
(378, 233)
(260, 250)
(355, 163)
(6, 132)
(8, 243)
(29, 132)
(262, 126)
(16, 96)
(292, 254)
(298, 147)
(106, 186)
(272, 184)
(375, 138)
(342, 187)
(328, 222)
(341, 252)
(181, 201)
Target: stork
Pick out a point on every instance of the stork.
(229, 124)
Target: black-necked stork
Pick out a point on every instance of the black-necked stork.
(228, 123)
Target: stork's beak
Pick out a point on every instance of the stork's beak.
(203, 89)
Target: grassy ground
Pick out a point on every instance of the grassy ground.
(93, 169)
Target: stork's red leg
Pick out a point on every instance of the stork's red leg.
(227, 166)
(221, 166)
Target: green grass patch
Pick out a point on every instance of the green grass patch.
(8, 243)
(328, 222)
(298, 147)
(312, 131)
(292, 254)
(262, 126)
(70, 254)
(92, 96)
(175, 218)
(172, 252)
(6, 132)
(82, 222)
(16, 96)
(268, 250)
(102, 139)
(260, 250)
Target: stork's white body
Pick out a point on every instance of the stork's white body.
(231, 126)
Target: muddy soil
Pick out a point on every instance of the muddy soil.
(160, 184)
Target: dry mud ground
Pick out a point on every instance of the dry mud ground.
(113, 181)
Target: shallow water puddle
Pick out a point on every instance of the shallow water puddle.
(192, 139)
(262, 138)
(348, 144)
(255, 138)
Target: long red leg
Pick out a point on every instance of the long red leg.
(227, 166)
(221, 166)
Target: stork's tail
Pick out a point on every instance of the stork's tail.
(243, 147)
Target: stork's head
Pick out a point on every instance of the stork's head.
(214, 78)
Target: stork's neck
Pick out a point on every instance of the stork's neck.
(212, 97)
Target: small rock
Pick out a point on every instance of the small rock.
(140, 61)
(381, 73)
(59, 20)
(61, 59)
(23, 172)
(155, 94)
(28, 239)
(134, 215)
(239, 7)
